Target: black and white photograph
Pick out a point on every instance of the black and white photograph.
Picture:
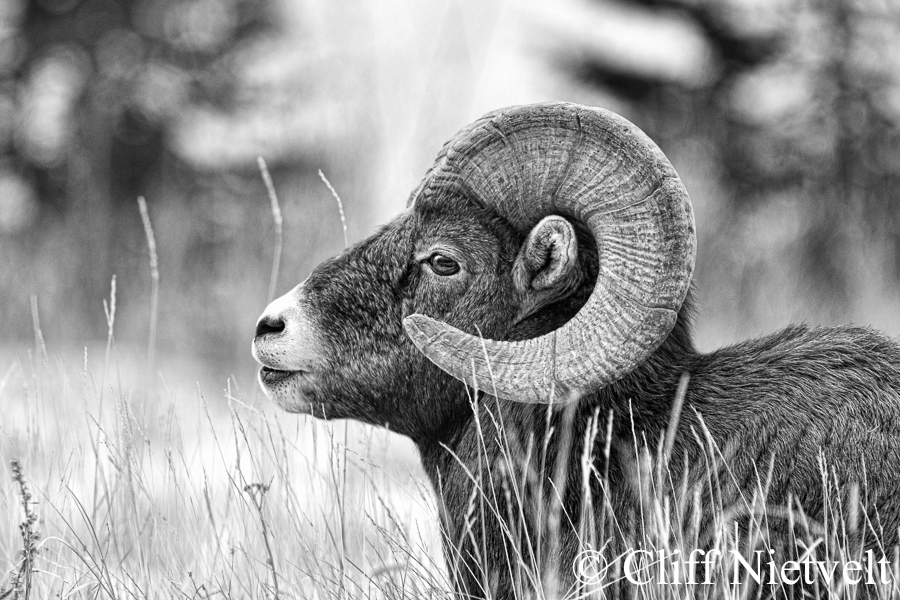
(461, 299)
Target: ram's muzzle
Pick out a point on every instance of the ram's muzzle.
(290, 352)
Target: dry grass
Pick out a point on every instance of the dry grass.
(197, 495)
(117, 493)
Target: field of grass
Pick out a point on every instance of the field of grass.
(119, 483)
(180, 489)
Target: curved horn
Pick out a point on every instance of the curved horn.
(592, 165)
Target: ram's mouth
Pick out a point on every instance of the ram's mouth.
(270, 376)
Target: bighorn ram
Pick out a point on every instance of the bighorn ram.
(547, 257)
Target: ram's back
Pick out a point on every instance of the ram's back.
(810, 415)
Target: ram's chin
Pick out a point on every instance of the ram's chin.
(287, 389)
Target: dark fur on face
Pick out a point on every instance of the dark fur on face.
(372, 370)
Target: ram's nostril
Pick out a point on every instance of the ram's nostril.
(268, 324)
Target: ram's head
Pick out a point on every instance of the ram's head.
(547, 251)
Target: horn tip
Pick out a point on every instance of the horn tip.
(422, 329)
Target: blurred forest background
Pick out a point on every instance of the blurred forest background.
(783, 117)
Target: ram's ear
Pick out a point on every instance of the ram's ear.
(546, 269)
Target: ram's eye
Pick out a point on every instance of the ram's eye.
(443, 265)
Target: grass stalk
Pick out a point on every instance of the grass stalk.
(40, 347)
(340, 205)
(154, 289)
(257, 493)
(343, 466)
(276, 217)
(21, 581)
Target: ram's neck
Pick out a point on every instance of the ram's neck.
(499, 470)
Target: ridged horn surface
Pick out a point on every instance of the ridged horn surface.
(590, 165)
